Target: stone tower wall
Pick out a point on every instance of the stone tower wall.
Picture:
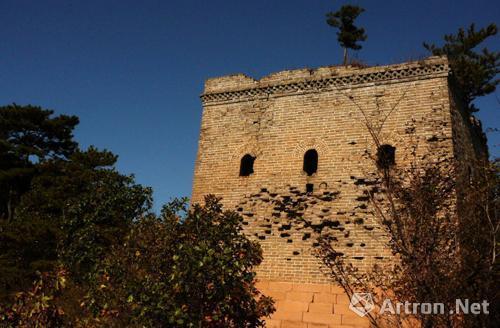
(280, 117)
(276, 120)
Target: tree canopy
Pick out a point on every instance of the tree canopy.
(80, 246)
(348, 34)
(29, 136)
(474, 70)
(70, 208)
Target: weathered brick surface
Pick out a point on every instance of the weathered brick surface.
(276, 120)
(324, 297)
(318, 309)
(293, 324)
(292, 305)
(321, 307)
(322, 318)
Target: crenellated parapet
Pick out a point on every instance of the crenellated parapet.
(239, 87)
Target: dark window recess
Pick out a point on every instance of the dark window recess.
(246, 167)
(309, 187)
(311, 161)
(386, 156)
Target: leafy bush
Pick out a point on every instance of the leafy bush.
(37, 307)
(194, 270)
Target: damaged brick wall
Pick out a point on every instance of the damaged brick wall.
(269, 125)
(288, 224)
(278, 118)
(469, 141)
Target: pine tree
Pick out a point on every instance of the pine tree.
(474, 71)
(348, 35)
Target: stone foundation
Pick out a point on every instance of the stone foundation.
(304, 305)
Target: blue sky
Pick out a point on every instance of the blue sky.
(133, 70)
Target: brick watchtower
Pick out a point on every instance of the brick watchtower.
(300, 136)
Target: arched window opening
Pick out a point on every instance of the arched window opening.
(311, 162)
(246, 166)
(386, 155)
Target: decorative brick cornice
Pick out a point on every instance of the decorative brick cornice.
(413, 71)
